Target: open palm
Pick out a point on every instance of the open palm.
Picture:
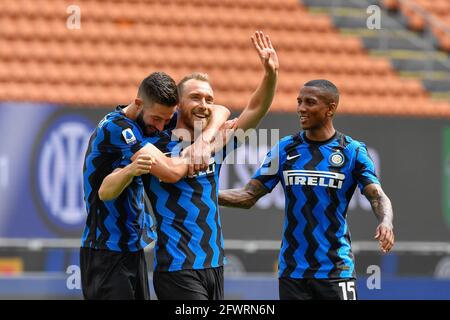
(266, 52)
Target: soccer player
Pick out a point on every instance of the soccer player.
(111, 256)
(189, 252)
(319, 170)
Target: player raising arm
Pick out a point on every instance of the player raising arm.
(112, 260)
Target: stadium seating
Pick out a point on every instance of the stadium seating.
(120, 42)
(436, 11)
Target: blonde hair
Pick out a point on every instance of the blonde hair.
(201, 76)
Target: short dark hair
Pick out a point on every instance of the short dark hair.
(159, 88)
(327, 86)
(193, 76)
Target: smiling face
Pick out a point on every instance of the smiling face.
(155, 102)
(196, 102)
(315, 107)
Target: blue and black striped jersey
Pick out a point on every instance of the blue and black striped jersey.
(116, 225)
(319, 179)
(187, 214)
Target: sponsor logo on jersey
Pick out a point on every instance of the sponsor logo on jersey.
(313, 178)
(288, 158)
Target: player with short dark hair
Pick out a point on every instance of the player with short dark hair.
(319, 170)
(111, 256)
(156, 89)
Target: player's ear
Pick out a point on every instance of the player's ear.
(139, 103)
(331, 109)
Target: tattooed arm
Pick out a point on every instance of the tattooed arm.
(244, 197)
(382, 208)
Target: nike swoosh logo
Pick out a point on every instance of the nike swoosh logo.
(292, 157)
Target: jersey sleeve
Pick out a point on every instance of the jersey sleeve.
(268, 172)
(364, 170)
(125, 138)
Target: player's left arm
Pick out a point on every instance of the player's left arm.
(262, 98)
(364, 173)
(382, 208)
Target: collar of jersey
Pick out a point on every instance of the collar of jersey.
(303, 136)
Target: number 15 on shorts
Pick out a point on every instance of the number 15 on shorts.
(348, 290)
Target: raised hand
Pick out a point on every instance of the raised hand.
(266, 52)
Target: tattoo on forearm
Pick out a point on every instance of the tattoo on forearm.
(381, 205)
(243, 197)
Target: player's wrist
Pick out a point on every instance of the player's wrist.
(129, 171)
(208, 136)
(387, 224)
(270, 73)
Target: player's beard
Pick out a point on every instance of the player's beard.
(148, 130)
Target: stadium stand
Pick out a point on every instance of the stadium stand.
(120, 42)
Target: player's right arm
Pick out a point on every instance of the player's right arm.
(114, 184)
(148, 160)
(243, 198)
(263, 181)
(167, 169)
